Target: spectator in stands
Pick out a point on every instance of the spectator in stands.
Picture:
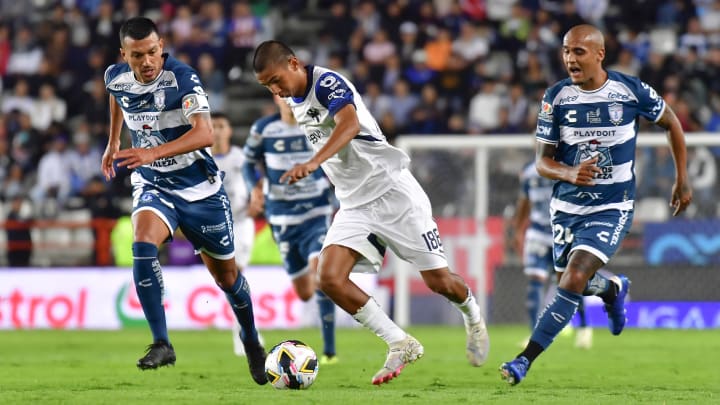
(471, 45)
(19, 99)
(418, 73)
(48, 108)
(53, 184)
(83, 158)
(26, 54)
(181, 25)
(213, 80)
(377, 102)
(376, 52)
(428, 117)
(484, 110)
(243, 31)
(409, 42)
(17, 231)
(694, 37)
(403, 102)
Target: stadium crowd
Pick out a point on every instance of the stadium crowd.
(425, 67)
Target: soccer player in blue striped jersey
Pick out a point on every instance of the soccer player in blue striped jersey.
(381, 204)
(175, 181)
(299, 214)
(586, 140)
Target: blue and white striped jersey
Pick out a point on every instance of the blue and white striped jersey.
(538, 190)
(603, 123)
(156, 113)
(365, 168)
(279, 146)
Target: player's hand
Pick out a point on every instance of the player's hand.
(298, 172)
(134, 157)
(584, 173)
(681, 196)
(107, 161)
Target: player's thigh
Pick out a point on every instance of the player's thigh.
(154, 216)
(405, 222)
(355, 229)
(208, 225)
(599, 234)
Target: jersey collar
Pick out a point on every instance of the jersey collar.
(309, 71)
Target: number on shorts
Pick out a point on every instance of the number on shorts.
(432, 240)
(562, 235)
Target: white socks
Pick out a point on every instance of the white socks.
(374, 318)
(469, 309)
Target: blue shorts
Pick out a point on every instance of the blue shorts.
(600, 233)
(300, 243)
(206, 223)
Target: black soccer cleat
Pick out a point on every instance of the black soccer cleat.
(159, 354)
(256, 355)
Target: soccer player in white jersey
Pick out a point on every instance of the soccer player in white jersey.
(381, 203)
(230, 159)
(586, 140)
(175, 182)
(533, 239)
(299, 214)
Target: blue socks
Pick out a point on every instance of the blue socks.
(602, 287)
(555, 317)
(327, 322)
(149, 287)
(239, 299)
(534, 298)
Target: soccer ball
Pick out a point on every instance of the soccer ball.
(291, 365)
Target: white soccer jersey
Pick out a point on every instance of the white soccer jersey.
(365, 168)
(235, 187)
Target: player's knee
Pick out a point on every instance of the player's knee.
(573, 280)
(305, 294)
(330, 282)
(226, 279)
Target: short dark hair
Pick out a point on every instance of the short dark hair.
(137, 28)
(271, 53)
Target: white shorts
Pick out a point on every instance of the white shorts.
(401, 219)
(244, 238)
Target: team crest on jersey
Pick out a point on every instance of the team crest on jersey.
(591, 149)
(615, 110)
(159, 100)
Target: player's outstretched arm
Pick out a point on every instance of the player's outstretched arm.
(113, 145)
(347, 127)
(681, 191)
(580, 175)
(198, 137)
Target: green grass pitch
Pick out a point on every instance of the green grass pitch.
(83, 367)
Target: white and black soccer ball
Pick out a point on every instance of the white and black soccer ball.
(291, 365)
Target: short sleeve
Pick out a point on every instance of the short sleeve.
(547, 129)
(333, 92)
(650, 104)
(194, 98)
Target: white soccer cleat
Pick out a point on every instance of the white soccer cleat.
(478, 343)
(583, 338)
(399, 355)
